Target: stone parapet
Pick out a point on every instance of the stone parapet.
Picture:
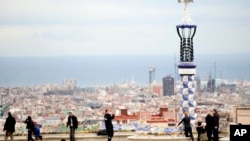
(117, 137)
(79, 137)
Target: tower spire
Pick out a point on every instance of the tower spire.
(186, 30)
(186, 20)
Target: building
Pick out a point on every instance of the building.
(124, 117)
(168, 86)
(157, 90)
(242, 114)
(163, 116)
(70, 84)
(198, 84)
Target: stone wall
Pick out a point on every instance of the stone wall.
(117, 137)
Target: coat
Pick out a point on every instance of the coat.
(10, 124)
(216, 120)
(108, 121)
(74, 121)
(30, 124)
(186, 122)
(209, 122)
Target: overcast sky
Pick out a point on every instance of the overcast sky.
(94, 27)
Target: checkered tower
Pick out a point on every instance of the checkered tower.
(186, 30)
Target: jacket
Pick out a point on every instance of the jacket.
(108, 121)
(30, 124)
(74, 121)
(10, 124)
(186, 122)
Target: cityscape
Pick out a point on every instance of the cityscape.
(156, 104)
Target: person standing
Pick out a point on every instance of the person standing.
(108, 124)
(200, 130)
(209, 125)
(37, 131)
(187, 125)
(73, 125)
(216, 118)
(9, 127)
(30, 126)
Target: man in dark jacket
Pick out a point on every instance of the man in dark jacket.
(216, 125)
(73, 125)
(30, 126)
(108, 124)
(9, 127)
(209, 125)
(187, 125)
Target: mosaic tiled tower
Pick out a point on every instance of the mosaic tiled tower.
(186, 30)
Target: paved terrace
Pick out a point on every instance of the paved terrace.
(119, 136)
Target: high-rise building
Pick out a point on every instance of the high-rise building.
(151, 71)
(198, 84)
(168, 86)
(70, 84)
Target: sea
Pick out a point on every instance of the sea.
(110, 69)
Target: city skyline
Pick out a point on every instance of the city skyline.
(96, 27)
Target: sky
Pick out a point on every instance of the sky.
(119, 27)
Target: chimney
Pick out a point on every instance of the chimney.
(124, 112)
(162, 110)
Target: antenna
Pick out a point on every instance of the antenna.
(175, 93)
